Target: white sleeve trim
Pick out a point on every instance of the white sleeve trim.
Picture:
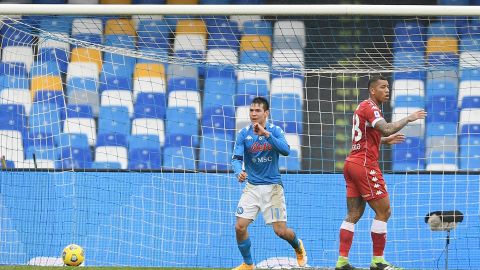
(376, 120)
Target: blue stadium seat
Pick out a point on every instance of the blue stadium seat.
(77, 140)
(142, 110)
(76, 158)
(218, 119)
(144, 159)
(115, 70)
(40, 141)
(412, 151)
(181, 120)
(119, 59)
(471, 29)
(409, 75)
(16, 34)
(114, 120)
(41, 153)
(469, 43)
(444, 160)
(120, 41)
(90, 38)
(55, 55)
(470, 152)
(468, 74)
(79, 111)
(220, 72)
(442, 29)
(156, 53)
(219, 92)
(223, 40)
(441, 129)
(78, 83)
(286, 108)
(43, 68)
(152, 99)
(115, 83)
(179, 139)
(409, 101)
(470, 129)
(55, 24)
(13, 117)
(44, 118)
(256, 58)
(13, 69)
(292, 162)
(143, 141)
(258, 27)
(247, 90)
(176, 83)
(409, 37)
(112, 139)
(443, 59)
(180, 158)
(8, 81)
(440, 88)
(55, 100)
(442, 109)
(215, 153)
(408, 59)
(470, 102)
(153, 34)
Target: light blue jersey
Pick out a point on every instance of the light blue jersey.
(259, 154)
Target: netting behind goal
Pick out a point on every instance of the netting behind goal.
(117, 134)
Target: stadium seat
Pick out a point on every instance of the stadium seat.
(113, 120)
(83, 70)
(242, 118)
(470, 152)
(112, 139)
(409, 101)
(289, 35)
(196, 27)
(42, 83)
(149, 126)
(219, 93)
(79, 157)
(85, 126)
(106, 165)
(44, 68)
(189, 99)
(241, 19)
(13, 69)
(39, 141)
(13, 117)
(469, 116)
(217, 120)
(469, 59)
(44, 118)
(468, 88)
(55, 24)
(442, 161)
(286, 108)
(18, 54)
(470, 129)
(117, 98)
(253, 57)
(443, 59)
(414, 129)
(11, 145)
(469, 43)
(441, 88)
(154, 102)
(120, 41)
(143, 141)
(178, 71)
(67, 140)
(288, 86)
(148, 85)
(53, 51)
(115, 70)
(87, 55)
(408, 60)
(179, 158)
(256, 43)
(149, 70)
(258, 28)
(17, 96)
(223, 40)
(83, 91)
(442, 29)
(215, 153)
(247, 90)
(145, 159)
(444, 73)
(112, 154)
(442, 44)
(289, 58)
(470, 102)
(292, 162)
(442, 109)
(412, 151)
(181, 120)
(469, 74)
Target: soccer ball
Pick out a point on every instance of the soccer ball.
(73, 255)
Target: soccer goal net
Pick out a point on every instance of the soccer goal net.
(117, 129)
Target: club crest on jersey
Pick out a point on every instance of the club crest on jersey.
(260, 147)
(376, 113)
(240, 210)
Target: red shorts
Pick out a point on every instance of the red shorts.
(363, 181)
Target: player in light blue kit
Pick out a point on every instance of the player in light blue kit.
(258, 147)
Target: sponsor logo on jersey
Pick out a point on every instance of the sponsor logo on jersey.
(377, 114)
(260, 147)
(264, 159)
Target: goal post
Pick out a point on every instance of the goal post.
(117, 126)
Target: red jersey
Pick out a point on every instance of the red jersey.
(365, 139)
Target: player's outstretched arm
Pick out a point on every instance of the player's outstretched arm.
(388, 129)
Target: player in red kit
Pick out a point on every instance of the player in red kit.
(362, 174)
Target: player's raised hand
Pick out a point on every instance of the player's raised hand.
(242, 176)
(258, 129)
(394, 138)
(421, 114)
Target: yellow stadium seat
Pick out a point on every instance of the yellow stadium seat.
(442, 45)
(116, 2)
(191, 27)
(149, 70)
(120, 27)
(182, 2)
(87, 55)
(53, 83)
(256, 43)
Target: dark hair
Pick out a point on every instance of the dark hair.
(374, 79)
(263, 101)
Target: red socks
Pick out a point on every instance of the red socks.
(379, 237)
(346, 237)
